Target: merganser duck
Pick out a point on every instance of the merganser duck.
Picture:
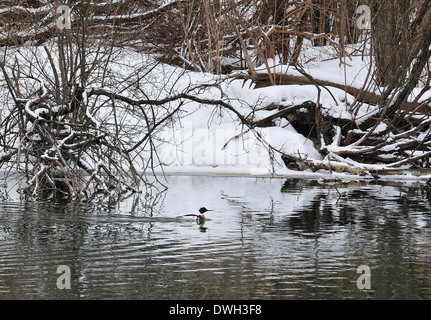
(200, 217)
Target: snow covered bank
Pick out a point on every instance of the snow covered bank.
(209, 139)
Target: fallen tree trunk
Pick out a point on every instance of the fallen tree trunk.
(350, 168)
(262, 80)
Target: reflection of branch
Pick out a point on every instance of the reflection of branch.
(339, 194)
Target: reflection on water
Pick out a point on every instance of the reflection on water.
(265, 239)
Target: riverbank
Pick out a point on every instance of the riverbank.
(291, 174)
(232, 128)
(210, 140)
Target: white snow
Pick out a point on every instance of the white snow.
(210, 139)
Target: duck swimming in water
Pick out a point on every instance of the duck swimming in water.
(199, 217)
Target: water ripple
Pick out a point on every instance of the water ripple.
(289, 239)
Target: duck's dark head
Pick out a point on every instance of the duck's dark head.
(203, 210)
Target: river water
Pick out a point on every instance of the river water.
(265, 239)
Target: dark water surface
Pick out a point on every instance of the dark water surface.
(266, 239)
